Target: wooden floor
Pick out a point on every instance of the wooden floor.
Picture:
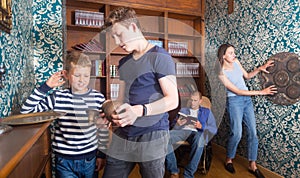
(217, 169)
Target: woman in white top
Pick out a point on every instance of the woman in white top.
(240, 106)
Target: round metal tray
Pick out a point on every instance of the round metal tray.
(285, 75)
(31, 118)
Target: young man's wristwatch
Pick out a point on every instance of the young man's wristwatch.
(144, 110)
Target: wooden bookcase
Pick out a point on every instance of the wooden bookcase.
(168, 21)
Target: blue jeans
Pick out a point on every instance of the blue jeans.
(240, 109)
(147, 150)
(83, 168)
(196, 141)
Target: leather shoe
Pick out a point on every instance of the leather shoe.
(175, 175)
(257, 173)
(229, 167)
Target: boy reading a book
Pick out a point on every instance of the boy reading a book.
(191, 130)
(186, 122)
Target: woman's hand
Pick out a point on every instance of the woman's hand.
(264, 67)
(57, 79)
(271, 90)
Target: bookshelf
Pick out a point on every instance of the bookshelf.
(176, 25)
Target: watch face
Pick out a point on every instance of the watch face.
(285, 75)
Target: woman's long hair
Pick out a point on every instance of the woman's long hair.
(221, 52)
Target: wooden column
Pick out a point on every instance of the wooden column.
(230, 6)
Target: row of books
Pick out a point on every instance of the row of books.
(93, 45)
(113, 71)
(182, 69)
(114, 90)
(89, 18)
(174, 48)
(156, 42)
(178, 48)
(186, 90)
(98, 68)
(186, 69)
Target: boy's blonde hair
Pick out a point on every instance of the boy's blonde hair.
(75, 57)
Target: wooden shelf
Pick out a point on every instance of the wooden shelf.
(188, 56)
(94, 52)
(163, 20)
(154, 34)
(184, 36)
(187, 7)
(120, 53)
(188, 76)
(83, 28)
(99, 77)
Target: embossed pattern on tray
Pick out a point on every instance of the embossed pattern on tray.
(285, 75)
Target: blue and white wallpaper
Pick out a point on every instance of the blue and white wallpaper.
(34, 50)
(259, 29)
(17, 57)
(31, 52)
(47, 38)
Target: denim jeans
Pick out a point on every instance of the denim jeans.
(83, 168)
(240, 109)
(148, 151)
(196, 141)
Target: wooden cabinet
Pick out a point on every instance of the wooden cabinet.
(25, 151)
(177, 25)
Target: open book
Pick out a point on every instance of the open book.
(190, 119)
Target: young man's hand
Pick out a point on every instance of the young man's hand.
(126, 115)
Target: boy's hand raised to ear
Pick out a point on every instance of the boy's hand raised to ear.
(57, 79)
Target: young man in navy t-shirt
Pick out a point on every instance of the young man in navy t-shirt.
(148, 90)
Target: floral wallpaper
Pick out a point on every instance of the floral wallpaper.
(47, 38)
(16, 55)
(258, 30)
(34, 48)
(31, 52)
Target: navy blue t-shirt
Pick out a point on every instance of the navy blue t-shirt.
(142, 87)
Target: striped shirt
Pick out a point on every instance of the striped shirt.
(74, 137)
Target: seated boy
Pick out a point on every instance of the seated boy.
(192, 133)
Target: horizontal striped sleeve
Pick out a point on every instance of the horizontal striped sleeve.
(103, 140)
(38, 101)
